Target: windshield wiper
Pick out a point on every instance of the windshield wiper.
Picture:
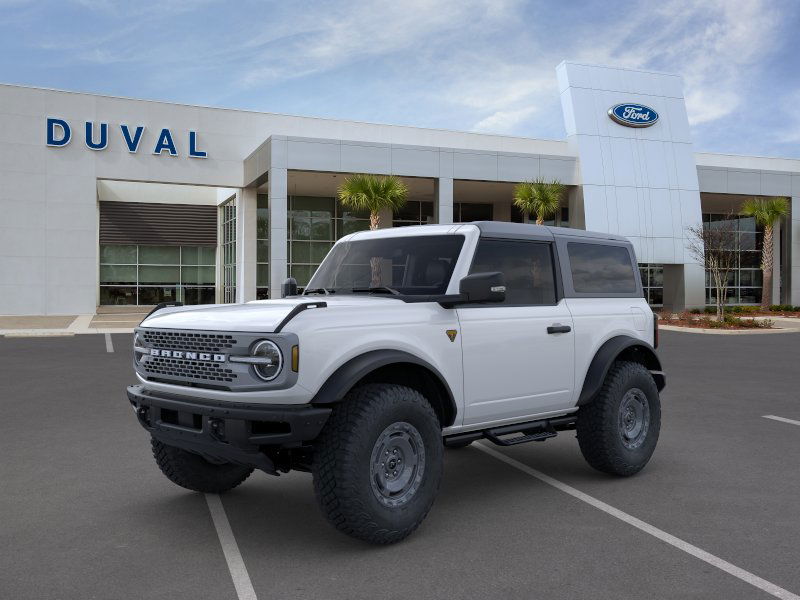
(320, 290)
(378, 289)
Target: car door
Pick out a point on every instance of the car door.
(518, 356)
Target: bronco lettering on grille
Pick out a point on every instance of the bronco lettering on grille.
(204, 356)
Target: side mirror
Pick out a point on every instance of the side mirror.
(483, 287)
(289, 287)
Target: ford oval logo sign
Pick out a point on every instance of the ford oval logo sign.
(633, 115)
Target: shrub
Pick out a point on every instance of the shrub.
(695, 311)
(710, 310)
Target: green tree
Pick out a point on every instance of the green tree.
(373, 193)
(539, 197)
(766, 211)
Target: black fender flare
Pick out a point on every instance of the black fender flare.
(622, 345)
(351, 372)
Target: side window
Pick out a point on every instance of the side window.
(526, 266)
(601, 269)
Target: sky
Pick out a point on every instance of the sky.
(471, 65)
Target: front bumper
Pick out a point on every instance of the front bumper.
(234, 432)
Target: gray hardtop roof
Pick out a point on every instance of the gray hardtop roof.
(531, 231)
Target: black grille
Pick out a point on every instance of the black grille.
(193, 369)
(179, 340)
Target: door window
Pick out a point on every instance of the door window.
(527, 268)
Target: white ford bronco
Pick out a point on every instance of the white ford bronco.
(405, 342)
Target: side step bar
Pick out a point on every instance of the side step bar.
(532, 431)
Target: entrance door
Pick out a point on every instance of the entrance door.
(518, 356)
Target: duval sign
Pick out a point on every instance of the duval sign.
(59, 134)
(633, 115)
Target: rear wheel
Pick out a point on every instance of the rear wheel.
(378, 463)
(194, 472)
(618, 430)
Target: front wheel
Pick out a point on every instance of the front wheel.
(618, 430)
(194, 472)
(378, 463)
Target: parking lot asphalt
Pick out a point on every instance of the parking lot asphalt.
(85, 513)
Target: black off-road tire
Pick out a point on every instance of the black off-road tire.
(345, 483)
(602, 426)
(195, 473)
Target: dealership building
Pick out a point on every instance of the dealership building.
(113, 201)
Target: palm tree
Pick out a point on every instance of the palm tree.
(373, 193)
(766, 211)
(539, 197)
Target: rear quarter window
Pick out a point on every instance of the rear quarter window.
(601, 269)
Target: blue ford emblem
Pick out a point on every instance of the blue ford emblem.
(633, 115)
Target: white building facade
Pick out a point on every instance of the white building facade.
(111, 201)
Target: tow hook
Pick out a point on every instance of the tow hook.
(142, 415)
(217, 429)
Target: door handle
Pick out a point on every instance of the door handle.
(557, 328)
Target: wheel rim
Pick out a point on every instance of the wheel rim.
(634, 418)
(398, 464)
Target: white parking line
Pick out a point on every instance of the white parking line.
(109, 343)
(678, 543)
(782, 419)
(241, 580)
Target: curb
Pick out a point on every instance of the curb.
(665, 327)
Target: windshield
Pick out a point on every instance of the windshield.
(418, 265)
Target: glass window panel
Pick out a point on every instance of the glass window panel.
(475, 212)
(197, 275)
(262, 250)
(599, 269)
(190, 255)
(155, 295)
(351, 225)
(117, 295)
(208, 255)
(750, 259)
(750, 295)
(262, 293)
(656, 296)
(262, 223)
(747, 241)
(657, 276)
(527, 268)
(198, 295)
(118, 255)
(159, 255)
(409, 212)
(149, 275)
(319, 252)
(643, 276)
(301, 252)
(117, 274)
(426, 210)
(302, 273)
(314, 203)
(301, 227)
(262, 275)
(321, 229)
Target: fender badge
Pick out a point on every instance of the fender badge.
(452, 333)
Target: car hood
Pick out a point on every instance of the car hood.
(261, 316)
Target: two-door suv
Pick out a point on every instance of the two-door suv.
(407, 341)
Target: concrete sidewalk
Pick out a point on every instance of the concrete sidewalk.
(66, 325)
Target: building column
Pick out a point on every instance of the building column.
(246, 244)
(278, 235)
(793, 270)
(684, 287)
(443, 195)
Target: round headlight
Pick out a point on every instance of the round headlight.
(269, 368)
